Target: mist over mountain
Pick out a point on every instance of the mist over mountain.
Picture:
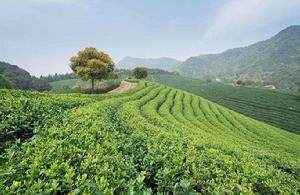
(163, 63)
(275, 60)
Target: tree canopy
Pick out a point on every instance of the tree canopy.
(91, 64)
(140, 72)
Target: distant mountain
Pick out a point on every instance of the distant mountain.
(164, 63)
(11, 76)
(276, 60)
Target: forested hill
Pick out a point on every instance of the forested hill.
(11, 76)
(164, 63)
(276, 60)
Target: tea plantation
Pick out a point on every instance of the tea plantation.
(151, 139)
(278, 108)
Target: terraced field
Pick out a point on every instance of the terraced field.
(277, 108)
(152, 139)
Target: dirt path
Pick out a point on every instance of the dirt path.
(124, 86)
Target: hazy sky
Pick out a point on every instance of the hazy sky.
(41, 35)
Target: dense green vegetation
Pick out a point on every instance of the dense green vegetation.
(276, 60)
(22, 112)
(12, 76)
(80, 86)
(140, 72)
(58, 77)
(151, 139)
(5, 82)
(278, 108)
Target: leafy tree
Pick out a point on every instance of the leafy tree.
(140, 72)
(91, 64)
(239, 82)
(208, 80)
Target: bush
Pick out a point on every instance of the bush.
(208, 80)
(239, 82)
(140, 72)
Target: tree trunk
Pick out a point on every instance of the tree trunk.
(93, 85)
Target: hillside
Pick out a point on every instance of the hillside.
(276, 60)
(164, 63)
(152, 139)
(15, 77)
(79, 86)
(280, 108)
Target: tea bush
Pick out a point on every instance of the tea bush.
(151, 139)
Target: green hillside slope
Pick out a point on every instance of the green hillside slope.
(280, 108)
(276, 60)
(11, 76)
(80, 86)
(69, 84)
(151, 139)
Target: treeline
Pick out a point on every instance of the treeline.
(155, 71)
(58, 77)
(13, 77)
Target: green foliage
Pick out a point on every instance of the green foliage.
(276, 59)
(281, 108)
(40, 85)
(152, 139)
(140, 72)
(92, 64)
(21, 113)
(58, 77)
(239, 82)
(5, 83)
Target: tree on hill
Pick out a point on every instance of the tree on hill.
(140, 72)
(239, 82)
(91, 64)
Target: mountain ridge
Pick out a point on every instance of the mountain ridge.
(165, 63)
(275, 60)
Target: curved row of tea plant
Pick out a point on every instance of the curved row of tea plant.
(153, 139)
(22, 113)
(277, 108)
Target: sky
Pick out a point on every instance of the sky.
(41, 35)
